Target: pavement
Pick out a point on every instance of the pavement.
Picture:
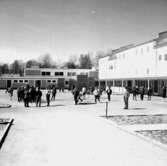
(67, 134)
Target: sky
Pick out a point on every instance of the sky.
(30, 28)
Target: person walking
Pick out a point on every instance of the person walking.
(76, 95)
(38, 97)
(54, 91)
(109, 92)
(48, 93)
(126, 98)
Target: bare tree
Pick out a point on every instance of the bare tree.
(31, 62)
(4, 69)
(17, 67)
(71, 63)
(45, 61)
(85, 61)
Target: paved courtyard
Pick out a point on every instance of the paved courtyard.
(66, 134)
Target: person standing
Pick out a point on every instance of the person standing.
(149, 93)
(84, 93)
(38, 97)
(76, 95)
(109, 92)
(26, 97)
(134, 93)
(10, 91)
(142, 93)
(126, 98)
(96, 94)
(164, 92)
(48, 93)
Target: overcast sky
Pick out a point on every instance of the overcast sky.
(29, 28)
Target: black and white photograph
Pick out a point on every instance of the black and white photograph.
(83, 82)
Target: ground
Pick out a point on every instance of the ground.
(67, 134)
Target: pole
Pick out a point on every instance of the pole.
(106, 109)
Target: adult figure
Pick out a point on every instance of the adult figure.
(96, 94)
(164, 92)
(76, 95)
(84, 93)
(10, 91)
(149, 93)
(54, 91)
(38, 97)
(109, 92)
(134, 92)
(26, 97)
(48, 93)
(19, 94)
(126, 98)
(142, 92)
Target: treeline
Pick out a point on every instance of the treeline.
(84, 61)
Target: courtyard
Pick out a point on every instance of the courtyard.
(68, 134)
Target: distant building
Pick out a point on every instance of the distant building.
(44, 77)
(144, 64)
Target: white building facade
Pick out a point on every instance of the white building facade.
(142, 65)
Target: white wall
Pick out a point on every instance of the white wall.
(162, 64)
(136, 62)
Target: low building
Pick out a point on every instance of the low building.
(44, 77)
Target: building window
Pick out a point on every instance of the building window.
(20, 80)
(160, 57)
(15, 81)
(71, 74)
(165, 57)
(59, 73)
(43, 73)
(25, 80)
(54, 81)
(47, 73)
(49, 81)
(66, 82)
(118, 83)
(56, 73)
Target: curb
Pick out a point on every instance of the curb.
(5, 132)
(146, 139)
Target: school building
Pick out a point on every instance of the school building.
(143, 64)
(44, 77)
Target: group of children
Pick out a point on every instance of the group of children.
(31, 94)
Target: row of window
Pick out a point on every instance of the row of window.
(160, 57)
(21, 81)
(58, 73)
(26, 81)
(137, 51)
